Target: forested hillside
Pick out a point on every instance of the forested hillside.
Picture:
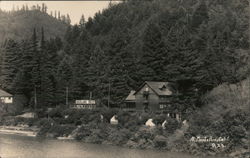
(18, 24)
(195, 43)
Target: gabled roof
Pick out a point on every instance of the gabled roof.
(5, 94)
(131, 96)
(160, 88)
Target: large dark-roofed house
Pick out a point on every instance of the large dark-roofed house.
(152, 96)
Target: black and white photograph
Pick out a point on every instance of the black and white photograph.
(125, 79)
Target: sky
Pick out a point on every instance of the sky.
(74, 8)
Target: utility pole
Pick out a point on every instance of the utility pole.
(109, 96)
(35, 98)
(67, 96)
(90, 97)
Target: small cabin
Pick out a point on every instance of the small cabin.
(11, 103)
(5, 97)
(84, 104)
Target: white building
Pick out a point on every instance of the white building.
(6, 97)
(84, 104)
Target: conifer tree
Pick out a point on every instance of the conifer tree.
(96, 73)
(153, 57)
(9, 66)
(68, 20)
(36, 69)
(82, 22)
(81, 56)
(64, 77)
(200, 15)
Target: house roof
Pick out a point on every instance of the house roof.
(131, 96)
(160, 88)
(5, 94)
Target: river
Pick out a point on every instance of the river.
(14, 146)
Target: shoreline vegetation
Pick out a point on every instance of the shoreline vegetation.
(218, 118)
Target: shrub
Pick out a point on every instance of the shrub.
(61, 130)
(82, 132)
(44, 125)
(159, 119)
(41, 113)
(108, 114)
(143, 117)
(56, 112)
(160, 141)
(119, 137)
(171, 125)
(123, 117)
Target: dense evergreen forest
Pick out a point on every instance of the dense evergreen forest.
(18, 23)
(197, 44)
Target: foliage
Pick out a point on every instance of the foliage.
(18, 24)
(198, 45)
(56, 112)
(126, 44)
(225, 115)
(61, 130)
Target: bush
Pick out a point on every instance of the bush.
(61, 130)
(80, 116)
(82, 132)
(41, 113)
(172, 125)
(44, 125)
(108, 114)
(143, 117)
(119, 137)
(160, 141)
(56, 112)
(123, 117)
(159, 119)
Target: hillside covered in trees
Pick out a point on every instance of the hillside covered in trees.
(19, 23)
(197, 44)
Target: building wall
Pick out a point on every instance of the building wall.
(152, 100)
(7, 100)
(83, 106)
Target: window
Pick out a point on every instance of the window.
(146, 108)
(163, 106)
(173, 115)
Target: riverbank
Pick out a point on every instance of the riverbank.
(23, 147)
(17, 130)
(130, 132)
